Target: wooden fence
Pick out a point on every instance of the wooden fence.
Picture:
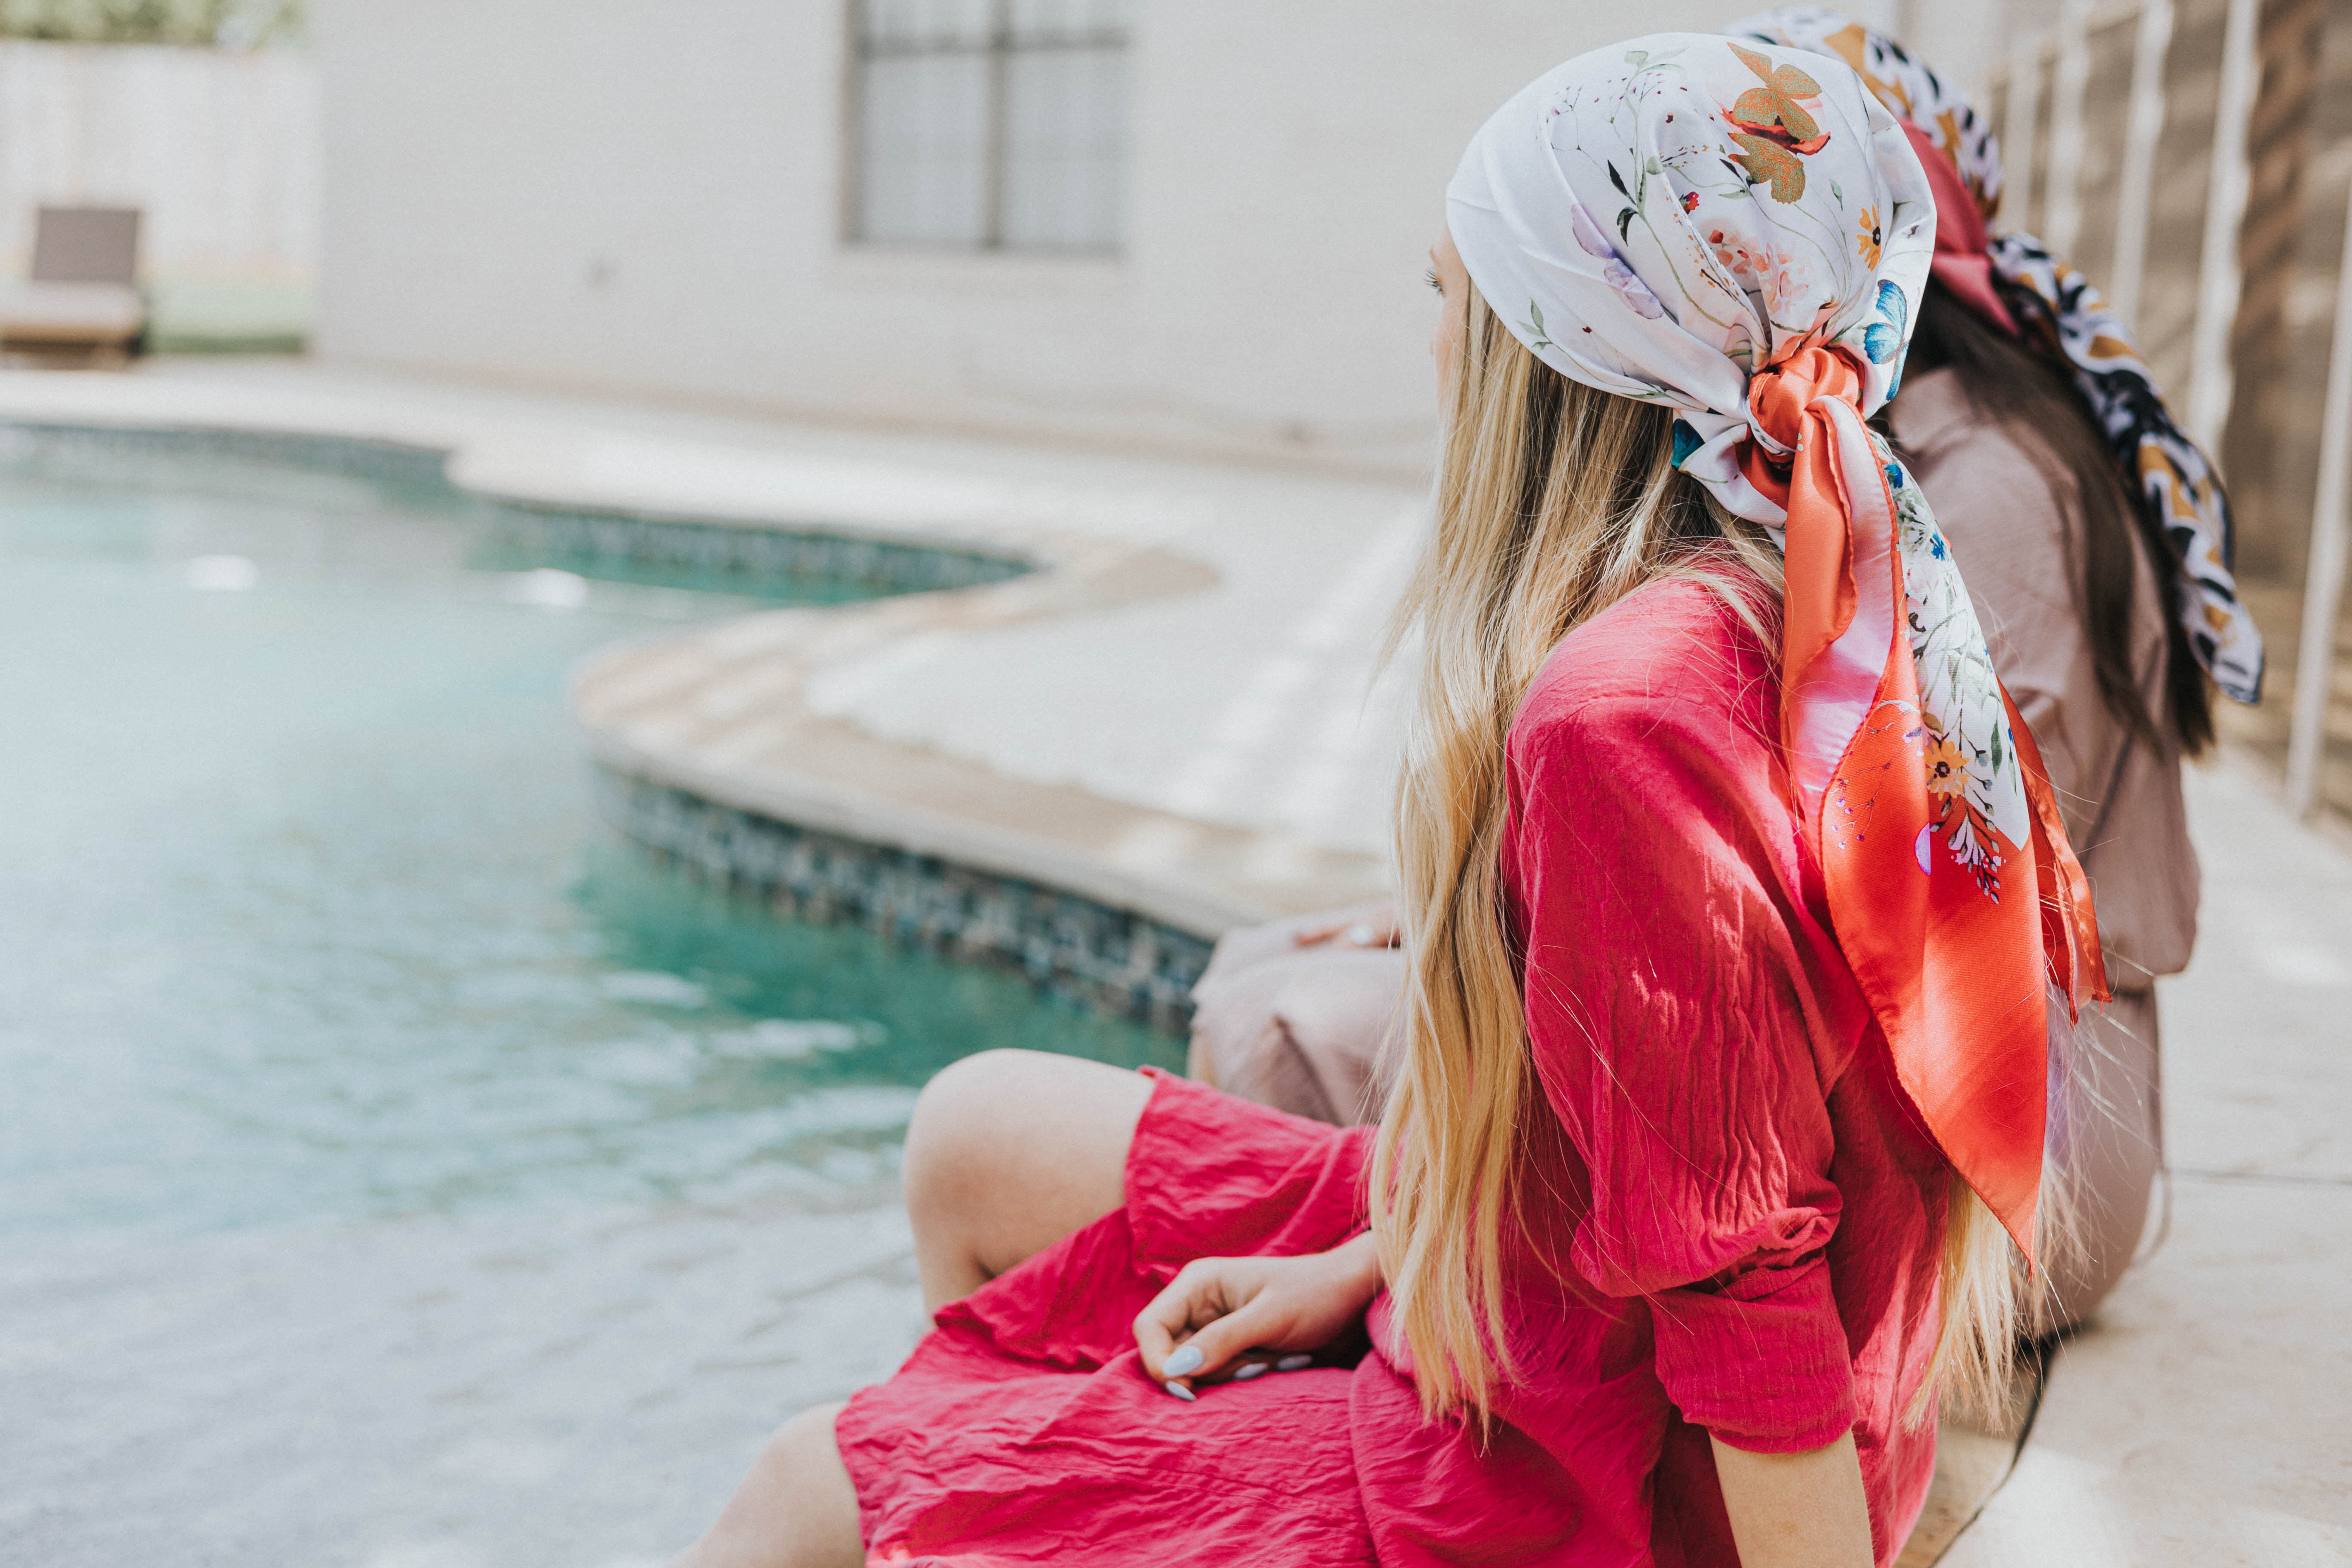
(2194, 159)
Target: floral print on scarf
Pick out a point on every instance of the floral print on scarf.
(1714, 194)
(1973, 777)
(1898, 78)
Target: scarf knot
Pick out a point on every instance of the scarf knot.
(1783, 400)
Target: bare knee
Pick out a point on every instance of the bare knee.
(797, 1508)
(1007, 1152)
(953, 1138)
(993, 1118)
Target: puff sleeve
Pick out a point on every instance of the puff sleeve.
(1672, 976)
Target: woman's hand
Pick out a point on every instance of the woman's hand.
(1230, 1319)
(1374, 925)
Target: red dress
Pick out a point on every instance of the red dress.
(1732, 1215)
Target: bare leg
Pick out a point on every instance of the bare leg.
(1010, 1152)
(795, 1510)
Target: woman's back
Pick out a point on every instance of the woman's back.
(1730, 1221)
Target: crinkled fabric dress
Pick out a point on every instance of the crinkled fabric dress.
(1732, 1217)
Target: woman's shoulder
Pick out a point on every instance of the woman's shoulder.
(1671, 658)
(1654, 729)
(1985, 473)
(2005, 503)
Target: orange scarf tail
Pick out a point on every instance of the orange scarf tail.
(1953, 956)
(2070, 925)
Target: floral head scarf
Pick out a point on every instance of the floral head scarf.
(1902, 81)
(2058, 306)
(1742, 234)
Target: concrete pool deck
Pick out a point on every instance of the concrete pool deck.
(1174, 713)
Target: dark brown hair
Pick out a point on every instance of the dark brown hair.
(2027, 390)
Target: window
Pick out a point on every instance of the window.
(991, 124)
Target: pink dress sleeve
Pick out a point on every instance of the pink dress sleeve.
(1670, 969)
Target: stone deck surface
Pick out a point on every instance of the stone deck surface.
(2207, 1418)
(1179, 710)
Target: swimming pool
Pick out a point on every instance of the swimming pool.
(307, 914)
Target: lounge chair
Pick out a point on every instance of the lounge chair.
(83, 302)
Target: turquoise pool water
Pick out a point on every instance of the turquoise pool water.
(304, 911)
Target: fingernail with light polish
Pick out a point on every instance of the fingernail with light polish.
(1186, 1360)
(1180, 1391)
(1248, 1370)
(1294, 1363)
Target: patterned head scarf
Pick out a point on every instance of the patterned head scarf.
(1743, 234)
(2059, 306)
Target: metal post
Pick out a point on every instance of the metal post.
(2135, 194)
(2322, 582)
(2218, 282)
(2062, 200)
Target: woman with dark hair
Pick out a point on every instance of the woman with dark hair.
(2096, 541)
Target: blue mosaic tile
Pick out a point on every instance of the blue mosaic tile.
(1073, 949)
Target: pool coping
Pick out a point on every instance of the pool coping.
(1160, 889)
(717, 712)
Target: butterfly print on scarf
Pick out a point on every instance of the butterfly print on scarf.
(1773, 129)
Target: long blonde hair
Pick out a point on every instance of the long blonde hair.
(1554, 502)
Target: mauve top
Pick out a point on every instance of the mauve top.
(2016, 539)
(1733, 1217)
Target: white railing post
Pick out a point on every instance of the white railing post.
(2218, 283)
(2135, 197)
(2062, 200)
(2017, 136)
(2323, 581)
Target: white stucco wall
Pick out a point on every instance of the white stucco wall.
(647, 197)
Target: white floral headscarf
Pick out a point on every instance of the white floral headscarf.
(1898, 78)
(1664, 218)
(1743, 234)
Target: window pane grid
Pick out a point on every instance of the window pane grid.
(926, 24)
(984, 125)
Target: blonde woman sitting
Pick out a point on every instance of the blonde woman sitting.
(2097, 538)
(1720, 1095)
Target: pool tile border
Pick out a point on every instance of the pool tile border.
(1073, 949)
